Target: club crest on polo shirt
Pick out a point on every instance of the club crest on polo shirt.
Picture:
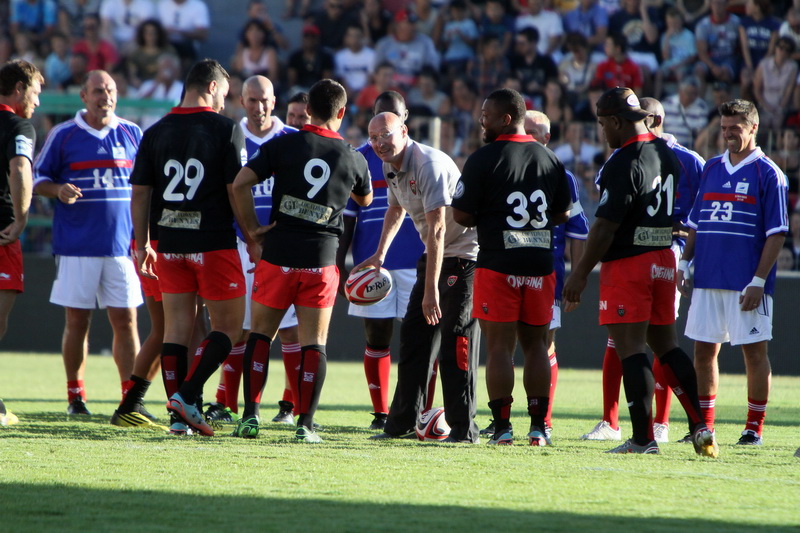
(485, 307)
(452, 281)
(621, 310)
(413, 185)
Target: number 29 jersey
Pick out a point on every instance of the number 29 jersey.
(637, 191)
(314, 170)
(189, 157)
(511, 186)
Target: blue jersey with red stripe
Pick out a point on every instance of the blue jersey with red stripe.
(262, 192)
(99, 163)
(406, 247)
(577, 227)
(691, 164)
(736, 209)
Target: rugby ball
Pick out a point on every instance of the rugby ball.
(431, 425)
(368, 286)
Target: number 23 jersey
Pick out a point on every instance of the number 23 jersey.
(314, 170)
(637, 191)
(189, 157)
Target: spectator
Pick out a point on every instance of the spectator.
(72, 14)
(466, 113)
(641, 25)
(459, 36)
(39, 17)
(151, 43)
(678, 50)
(709, 141)
(533, 69)
(577, 69)
(576, 152)
(332, 21)
(167, 84)
(556, 106)
(786, 259)
(355, 63)
(429, 19)
(257, 53)
(791, 28)
(589, 19)
(382, 81)
(78, 69)
(496, 22)
(490, 67)
(426, 100)
(548, 23)
(618, 70)
(257, 9)
(407, 49)
(102, 55)
(686, 113)
(758, 35)
(121, 18)
(186, 23)
(773, 84)
(25, 49)
(56, 66)
(787, 157)
(375, 20)
(692, 10)
(718, 48)
(310, 63)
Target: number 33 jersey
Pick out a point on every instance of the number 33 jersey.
(189, 157)
(314, 170)
(637, 191)
(512, 186)
(735, 210)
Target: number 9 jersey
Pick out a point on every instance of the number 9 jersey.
(637, 191)
(511, 186)
(189, 157)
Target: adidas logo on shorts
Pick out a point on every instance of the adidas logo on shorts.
(754, 331)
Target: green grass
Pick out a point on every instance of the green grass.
(58, 474)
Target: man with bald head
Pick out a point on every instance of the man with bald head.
(85, 165)
(258, 126)
(422, 181)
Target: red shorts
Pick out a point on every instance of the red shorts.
(150, 286)
(279, 287)
(507, 298)
(638, 289)
(213, 275)
(11, 276)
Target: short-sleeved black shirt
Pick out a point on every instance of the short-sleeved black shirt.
(512, 186)
(189, 157)
(637, 190)
(17, 138)
(315, 170)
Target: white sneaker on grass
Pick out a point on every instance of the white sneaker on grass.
(603, 431)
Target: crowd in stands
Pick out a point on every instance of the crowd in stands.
(445, 57)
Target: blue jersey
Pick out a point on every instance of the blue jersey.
(262, 192)
(406, 246)
(736, 209)
(577, 227)
(691, 165)
(99, 163)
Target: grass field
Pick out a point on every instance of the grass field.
(58, 474)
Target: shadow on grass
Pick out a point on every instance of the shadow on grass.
(67, 508)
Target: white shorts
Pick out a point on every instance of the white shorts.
(394, 305)
(556, 322)
(289, 319)
(716, 316)
(90, 282)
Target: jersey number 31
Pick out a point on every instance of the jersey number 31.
(662, 188)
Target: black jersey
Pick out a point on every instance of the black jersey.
(637, 190)
(189, 157)
(17, 138)
(315, 170)
(512, 186)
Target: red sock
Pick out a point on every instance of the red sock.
(612, 378)
(291, 363)
(548, 421)
(432, 385)
(663, 394)
(707, 409)
(232, 376)
(756, 412)
(222, 396)
(75, 390)
(126, 386)
(377, 364)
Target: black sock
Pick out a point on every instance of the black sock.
(211, 353)
(135, 394)
(174, 363)
(501, 414)
(681, 376)
(537, 409)
(313, 367)
(255, 367)
(637, 377)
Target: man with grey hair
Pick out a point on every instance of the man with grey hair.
(686, 113)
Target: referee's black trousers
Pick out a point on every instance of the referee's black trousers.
(455, 340)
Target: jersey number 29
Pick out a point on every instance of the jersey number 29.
(190, 174)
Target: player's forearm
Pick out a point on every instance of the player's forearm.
(576, 250)
(769, 254)
(435, 255)
(391, 225)
(688, 248)
(20, 183)
(140, 215)
(345, 240)
(48, 189)
(601, 235)
(244, 208)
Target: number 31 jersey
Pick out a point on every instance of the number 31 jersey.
(511, 186)
(637, 191)
(189, 157)
(314, 170)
